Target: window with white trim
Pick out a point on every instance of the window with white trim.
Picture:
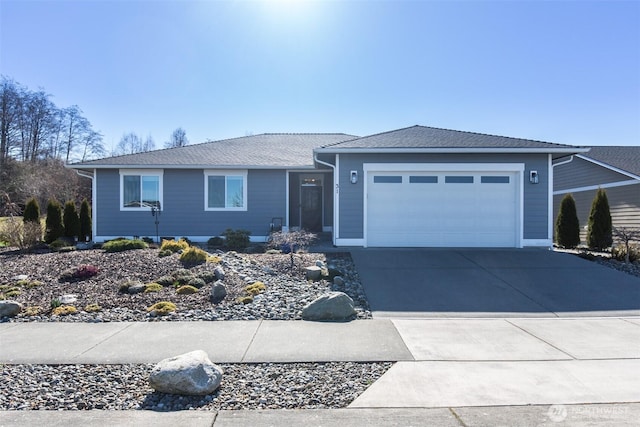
(225, 190)
(140, 190)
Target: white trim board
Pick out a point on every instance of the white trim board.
(595, 187)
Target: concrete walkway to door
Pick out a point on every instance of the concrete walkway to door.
(425, 283)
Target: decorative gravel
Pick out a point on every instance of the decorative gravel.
(287, 291)
(122, 387)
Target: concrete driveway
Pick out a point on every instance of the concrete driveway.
(492, 283)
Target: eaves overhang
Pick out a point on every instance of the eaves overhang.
(86, 166)
(563, 150)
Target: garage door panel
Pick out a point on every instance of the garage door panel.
(455, 209)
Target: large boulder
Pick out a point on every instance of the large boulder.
(333, 306)
(9, 308)
(191, 374)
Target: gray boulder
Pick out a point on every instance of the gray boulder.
(9, 308)
(218, 292)
(219, 273)
(190, 374)
(313, 272)
(136, 288)
(333, 306)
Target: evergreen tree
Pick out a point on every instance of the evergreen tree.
(70, 220)
(85, 221)
(31, 211)
(54, 228)
(599, 233)
(567, 223)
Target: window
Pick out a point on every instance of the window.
(421, 179)
(458, 180)
(140, 190)
(494, 180)
(225, 190)
(381, 179)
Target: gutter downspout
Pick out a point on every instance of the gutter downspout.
(553, 165)
(91, 175)
(335, 196)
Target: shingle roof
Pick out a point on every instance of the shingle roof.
(422, 137)
(268, 150)
(626, 158)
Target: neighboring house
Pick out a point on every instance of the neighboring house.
(616, 169)
(417, 186)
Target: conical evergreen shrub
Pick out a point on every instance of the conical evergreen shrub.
(54, 228)
(31, 211)
(85, 221)
(599, 232)
(567, 223)
(71, 220)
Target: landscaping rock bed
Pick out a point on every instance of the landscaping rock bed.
(123, 387)
(39, 281)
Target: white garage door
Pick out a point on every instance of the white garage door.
(442, 209)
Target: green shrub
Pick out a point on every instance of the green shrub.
(567, 224)
(166, 281)
(245, 300)
(215, 242)
(152, 287)
(196, 282)
(54, 229)
(55, 303)
(193, 256)
(31, 211)
(174, 245)
(64, 310)
(599, 231)
(164, 253)
(236, 240)
(186, 290)
(207, 276)
(121, 245)
(162, 308)
(620, 253)
(32, 310)
(71, 220)
(255, 288)
(85, 222)
(92, 308)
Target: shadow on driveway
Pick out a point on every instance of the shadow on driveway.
(492, 283)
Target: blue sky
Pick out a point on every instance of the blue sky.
(558, 71)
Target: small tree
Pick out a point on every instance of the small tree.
(70, 220)
(292, 241)
(31, 211)
(626, 235)
(567, 223)
(54, 228)
(85, 221)
(599, 233)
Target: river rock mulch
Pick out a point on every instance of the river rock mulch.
(287, 291)
(126, 387)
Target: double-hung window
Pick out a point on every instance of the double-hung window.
(140, 189)
(225, 190)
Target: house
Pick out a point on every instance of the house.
(418, 186)
(616, 169)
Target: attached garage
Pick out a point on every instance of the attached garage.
(443, 205)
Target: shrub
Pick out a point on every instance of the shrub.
(255, 288)
(152, 287)
(121, 245)
(245, 300)
(174, 245)
(31, 211)
(32, 310)
(292, 240)
(55, 303)
(236, 240)
(54, 228)
(567, 224)
(196, 282)
(599, 232)
(186, 290)
(215, 242)
(12, 292)
(85, 222)
(24, 235)
(92, 308)
(164, 253)
(162, 308)
(166, 281)
(193, 256)
(71, 220)
(626, 253)
(64, 310)
(80, 272)
(207, 276)
(60, 243)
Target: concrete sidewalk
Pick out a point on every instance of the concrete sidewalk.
(466, 371)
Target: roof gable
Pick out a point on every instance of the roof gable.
(625, 158)
(429, 138)
(269, 150)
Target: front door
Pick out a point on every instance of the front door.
(311, 208)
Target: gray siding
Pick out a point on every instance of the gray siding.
(624, 204)
(536, 197)
(582, 173)
(183, 212)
